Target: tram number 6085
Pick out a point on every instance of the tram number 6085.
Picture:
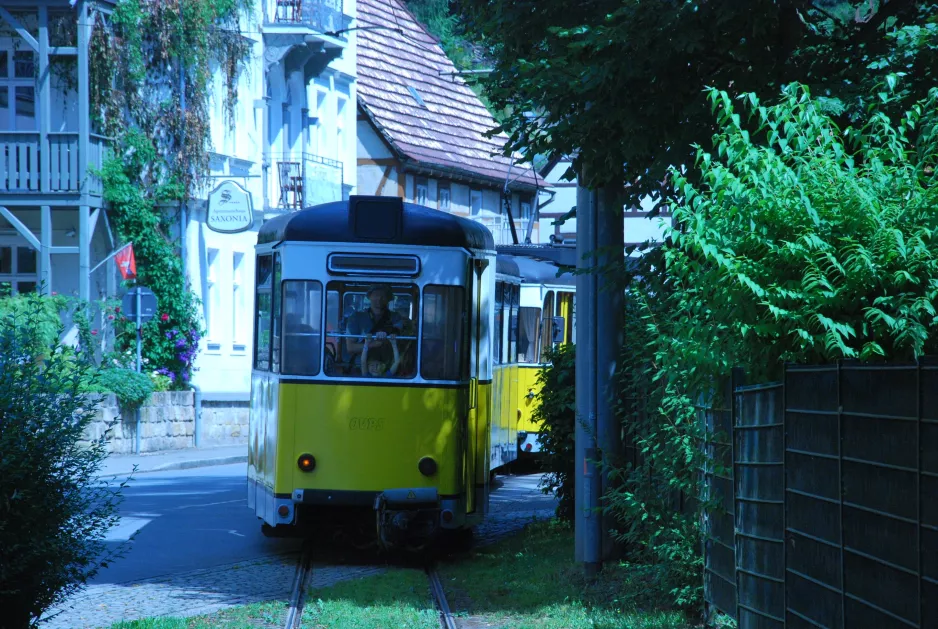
(366, 423)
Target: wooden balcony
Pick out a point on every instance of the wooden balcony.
(300, 180)
(25, 166)
(322, 16)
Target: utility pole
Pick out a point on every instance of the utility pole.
(599, 331)
(588, 521)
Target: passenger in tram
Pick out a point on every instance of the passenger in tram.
(377, 366)
(377, 320)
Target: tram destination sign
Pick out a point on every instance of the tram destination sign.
(230, 209)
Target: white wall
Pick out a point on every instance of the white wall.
(637, 226)
(225, 360)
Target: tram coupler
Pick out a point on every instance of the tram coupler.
(405, 516)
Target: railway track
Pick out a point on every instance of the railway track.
(304, 572)
(439, 597)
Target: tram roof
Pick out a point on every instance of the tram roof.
(506, 265)
(540, 271)
(379, 220)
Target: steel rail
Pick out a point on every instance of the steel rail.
(439, 596)
(304, 569)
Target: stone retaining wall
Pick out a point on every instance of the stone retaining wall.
(225, 423)
(167, 422)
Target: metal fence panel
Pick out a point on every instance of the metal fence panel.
(759, 492)
(861, 480)
(719, 524)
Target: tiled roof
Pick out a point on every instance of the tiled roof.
(447, 132)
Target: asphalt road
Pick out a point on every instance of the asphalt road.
(185, 520)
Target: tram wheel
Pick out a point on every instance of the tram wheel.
(276, 531)
(456, 540)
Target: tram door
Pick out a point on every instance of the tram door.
(477, 418)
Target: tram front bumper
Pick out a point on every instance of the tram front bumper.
(404, 498)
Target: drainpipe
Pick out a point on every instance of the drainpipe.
(183, 240)
(197, 431)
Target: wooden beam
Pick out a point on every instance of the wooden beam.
(401, 181)
(386, 161)
(93, 221)
(84, 254)
(64, 51)
(19, 28)
(45, 99)
(384, 180)
(69, 250)
(84, 101)
(45, 251)
(21, 228)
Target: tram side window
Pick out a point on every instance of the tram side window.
(275, 318)
(444, 320)
(513, 330)
(499, 323)
(263, 306)
(351, 317)
(529, 322)
(302, 327)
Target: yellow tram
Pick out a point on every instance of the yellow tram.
(395, 365)
(537, 307)
(371, 393)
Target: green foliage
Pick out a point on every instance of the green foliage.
(46, 314)
(801, 242)
(563, 62)
(147, 59)
(138, 219)
(555, 411)
(131, 388)
(54, 512)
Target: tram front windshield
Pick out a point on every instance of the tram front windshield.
(372, 331)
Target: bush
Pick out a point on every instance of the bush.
(54, 513)
(794, 241)
(556, 412)
(131, 388)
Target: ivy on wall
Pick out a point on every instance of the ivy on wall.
(151, 67)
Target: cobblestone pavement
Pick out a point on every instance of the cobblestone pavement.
(515, 503)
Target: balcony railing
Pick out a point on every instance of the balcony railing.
(501, 229)
(324, 16)
(299, 180)
(22, 164)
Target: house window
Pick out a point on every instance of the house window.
(421, 191)
(525, 210)
(18, 90)
(321, 116)
(18, 269)
(475, 202)
(444, 198)
(237, 303)
(340, 126)
(212, 299)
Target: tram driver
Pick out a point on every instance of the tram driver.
(381, 322)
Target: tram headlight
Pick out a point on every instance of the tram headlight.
(427, 466)
(306, 462)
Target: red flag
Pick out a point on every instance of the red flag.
(126, 262)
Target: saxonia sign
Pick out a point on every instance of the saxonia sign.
(229, 209)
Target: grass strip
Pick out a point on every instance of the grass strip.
(255, 616)
(531, 581)
(397, 599)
